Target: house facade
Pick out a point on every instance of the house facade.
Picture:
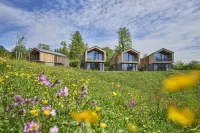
(126, 61)
(94, 59)
(48, 57)
(160, 60)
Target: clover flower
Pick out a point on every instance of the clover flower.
(18, 100)
(84, 91)
(94, 102)
(62, 92)
(43, 79)
(54, 129)
(132, 103)
(35, 100)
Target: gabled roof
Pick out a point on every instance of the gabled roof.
(50, 52)
(162, 49)
(126, 51)
(96, 47)
(131, 50)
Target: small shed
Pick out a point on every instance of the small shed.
(48, 57)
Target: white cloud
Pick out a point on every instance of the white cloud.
(173, 24)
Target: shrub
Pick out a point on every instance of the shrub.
(74, 63)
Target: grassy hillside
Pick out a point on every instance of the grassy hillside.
(126, 99)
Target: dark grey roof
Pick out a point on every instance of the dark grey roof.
(159, 51)
(50, 52)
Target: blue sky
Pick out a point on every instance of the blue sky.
(154, 24)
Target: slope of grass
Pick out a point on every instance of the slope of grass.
(112, 90)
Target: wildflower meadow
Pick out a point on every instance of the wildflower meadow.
(39, 99)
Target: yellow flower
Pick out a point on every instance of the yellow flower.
(27, 75)
(179, 82)
(47, 112)
(2, 80)
(98, 108)
(34, 112)
(103, 125)
(8, 66)
(7, 76)
(132, 128)
(118, 85)
(34, 127)
(113, 83)
(86, 116)
(114, 93)
(73, 85)
(184, 117)
(44, 101)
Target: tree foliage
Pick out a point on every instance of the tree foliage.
(44, 46)
(124, 40)
(180, 65)
(20, 50)
(77, 47)
(109, 54)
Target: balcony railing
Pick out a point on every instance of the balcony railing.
(166, 59)
(95, 59)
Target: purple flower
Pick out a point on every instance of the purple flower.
(18, 99)
(8, 108)
(22, 111)
(94, 102)
(62, 92)
(132, 103)
(31, 127)
(54, 129)
(43, 79)
(28, 100)
(35, 100)
(15, 104)
(53, 112)
(84, 91)
(46, 108)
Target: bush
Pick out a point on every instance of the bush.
(75, 63)
(180, 65)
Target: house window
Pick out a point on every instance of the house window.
(129, 57)
(162, 67)
(95, 66)
(162, 57)
(128, 67)
(94, 55)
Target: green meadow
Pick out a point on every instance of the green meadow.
(112, 91)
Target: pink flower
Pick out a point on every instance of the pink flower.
(31, 127)
(53, 112)
(132, 103)
(54, 129)
(62, 92)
